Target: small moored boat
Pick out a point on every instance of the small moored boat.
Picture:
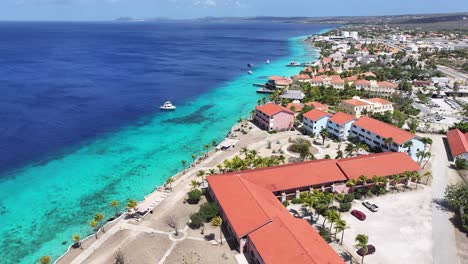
(293, 64)
(167, 106)
(250, 72)
(267, 61)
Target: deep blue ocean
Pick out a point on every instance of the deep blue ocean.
(80, 119)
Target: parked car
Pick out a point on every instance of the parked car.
(358, 214)
(371, 206)
(370, 250)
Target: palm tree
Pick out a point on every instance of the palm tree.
(351, 184)
(45, 260)
(396, 180)
(220, 167)
(339, 154)
(427, 155)
(131, 204)
(323, 134)
(114, 204)
(375, 180)
(184, 162)
(94, 224)
(169, 182)
(408, 145)
(217, 222)
(207, 147)
(76, 239)
(194, 157)
(244, 151)
(310, 203)
(340, 226)
(194, 184)
(201, 173)
(350, 149)
(214, 143)
(332, 216)
(388, 142)
(98, 217)
(427, 141)
(427, 174)
(362, 241)
(211, 171)
(420, 156)
(417, 178)
(363, 180)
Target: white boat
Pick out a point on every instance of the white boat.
(250, 72)
(168, 106)
(268, 61)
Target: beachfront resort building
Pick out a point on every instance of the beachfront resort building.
(378, 134)
(264, 230)
(278, 82)
(315, 120)
(357, 106)
(339, 125)
(385, 89)
(273, 117)
(334, 81)
(458, 143)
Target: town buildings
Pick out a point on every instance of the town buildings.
(385, 89)
(264, 230)
(386, 137)
(273, 117)
(458, 143)
(357, 106)
(339, 125)
(315, 120)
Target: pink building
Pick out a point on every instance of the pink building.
(271, 117)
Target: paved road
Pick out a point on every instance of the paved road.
(452, 73)
(443, 233)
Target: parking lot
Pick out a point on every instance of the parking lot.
(439, 114)
(401, 230)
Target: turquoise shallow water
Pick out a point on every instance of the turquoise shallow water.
(42, 205)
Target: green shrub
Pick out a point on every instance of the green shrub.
(461, 164)
(208, 211)
(325, 234)
(357, 195)
(286, 203)
(196, 220)
(345, 207)
(348, 198)
(194, 196)
(296, 201)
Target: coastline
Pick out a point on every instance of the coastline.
(129, 166)
(185, 176)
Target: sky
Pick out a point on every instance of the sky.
(91, 10)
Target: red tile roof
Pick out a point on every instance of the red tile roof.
(301, 77)
(297, 107)
(381, 164)
(318, 106)
(318, 79)
(315, 114)
(336, 79)
(458, 142)
(272, 109)
(327, 60)
(384, 130)
(387, 84)
(292, 176)
(355, 102)
(341, 118)
(276, 78)
(295, 242)
(362, 82)
(379, 100)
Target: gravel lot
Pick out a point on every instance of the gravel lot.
(401, 230)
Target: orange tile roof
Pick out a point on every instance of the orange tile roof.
(384, 130)
(351, 78)
(381, 164)
(276, 78)
(355, 102)
(362, 82)
(297, 107)
(315, 114)
(228, 191)
(295, 242)
(387, 84)
(379, 100)
(272, 109)
(318, 106)
(341, 118)
(292, 176)
(319, 78)
(302, 77)
(327, 60)
(458, 142)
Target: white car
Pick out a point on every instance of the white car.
(371, 206)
